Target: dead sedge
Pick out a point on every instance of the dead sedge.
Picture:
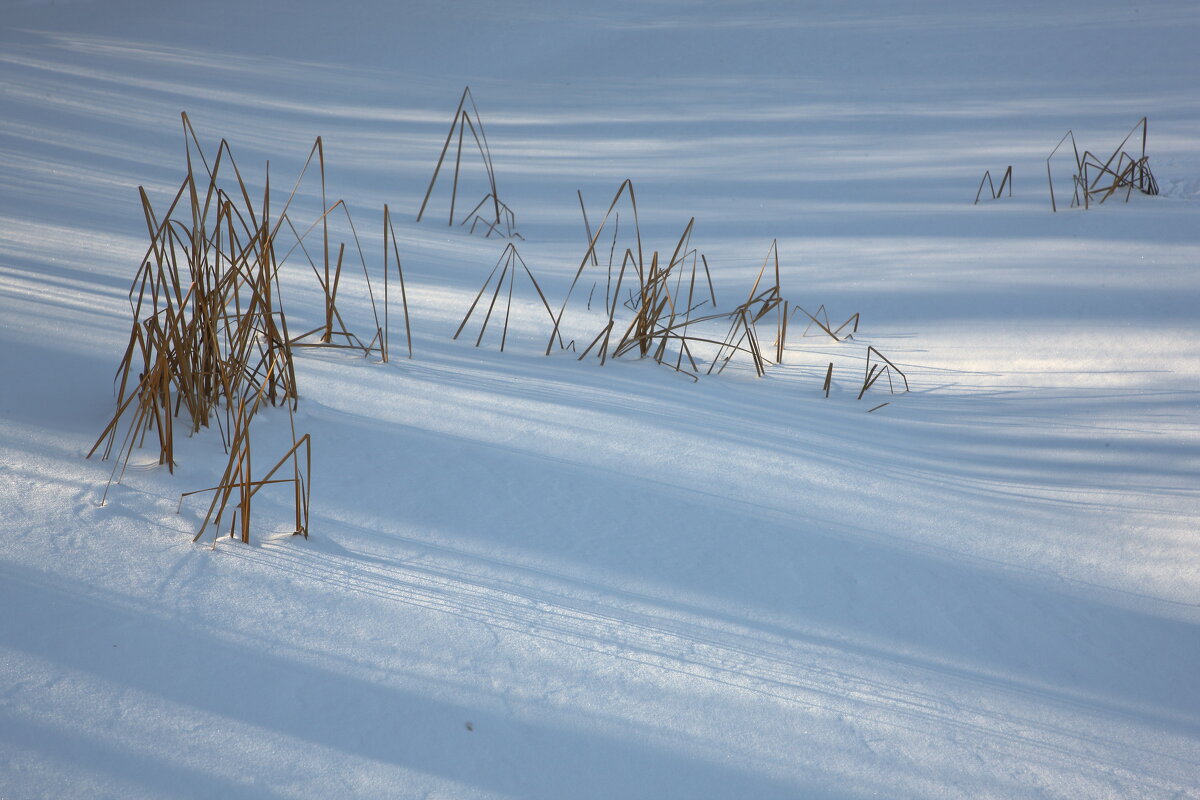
(501, 220)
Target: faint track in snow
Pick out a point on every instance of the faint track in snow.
(824, 674)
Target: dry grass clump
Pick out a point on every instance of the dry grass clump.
(651, 307)
(1005, 180)
(210, 338)
(873, 372)
(507, 264)
(1097, 181)
(207, 324)
(820, 318)
(210, 341)
(238, 481)
(661, 295)
(498, 217)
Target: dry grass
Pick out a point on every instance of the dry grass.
(820, 318)
(663, 303)
(210, 340)
(507, 266)
(1096, 181)
(238, 482)
(662, 297)
(206, 320)
(873, 372)
(501, 220)
(333, 332)
(1005, 180)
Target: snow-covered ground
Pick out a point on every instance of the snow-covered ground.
(536, 577)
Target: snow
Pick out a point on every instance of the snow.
(536, 577)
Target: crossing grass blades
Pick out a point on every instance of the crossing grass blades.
(1005, 180)
(1096, 181)
(210, 342)
(496, 216)
(507, 265)
(663, 295)
(206, 321)
(238, 481)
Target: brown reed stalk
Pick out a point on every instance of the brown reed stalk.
(781, 334)
(987, 178)
(586, 225)
(815, 319)
(1078, 166)
(626, 187)
(510, 258)
(874, 371)
(329, 287)
(204, 315)
(1006, 180)
(389, 236)
(238, 479)
(712, 292)
(465, 119)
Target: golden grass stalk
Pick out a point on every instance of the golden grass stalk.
(874, 371)
(1078, 167)
(205, 320)
(238, 475)
(820, 318)
(507, 266)
(626, 188)
(389, 236)
(463, 121)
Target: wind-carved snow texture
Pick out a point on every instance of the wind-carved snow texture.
(537, 577)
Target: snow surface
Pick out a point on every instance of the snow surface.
(535, 577)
